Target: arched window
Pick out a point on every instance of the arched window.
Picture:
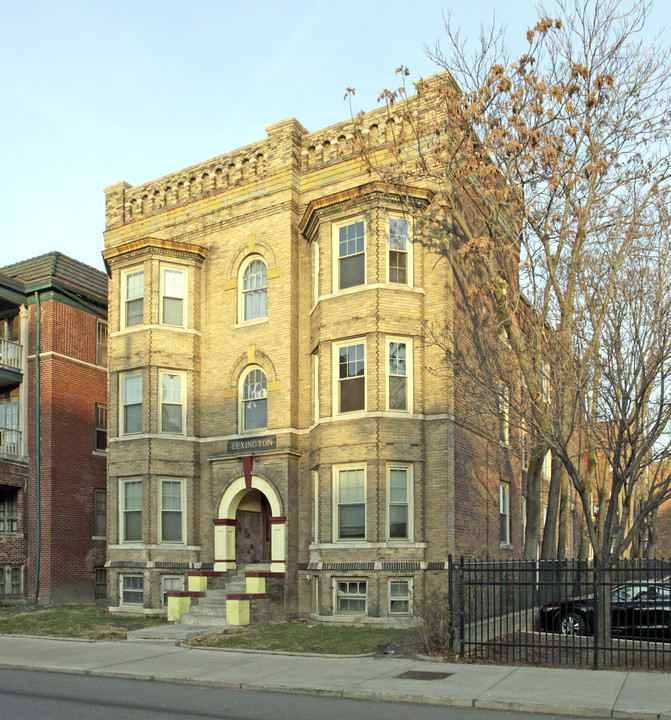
(254, 290)
(254, 405)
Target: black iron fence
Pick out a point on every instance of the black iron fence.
(562, 612)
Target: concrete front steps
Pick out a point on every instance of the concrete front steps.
(219, 600)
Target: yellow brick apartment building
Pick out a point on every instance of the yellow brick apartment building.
(275, 404)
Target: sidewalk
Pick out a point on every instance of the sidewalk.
(602, 694)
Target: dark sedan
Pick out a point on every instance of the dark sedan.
(638, 609)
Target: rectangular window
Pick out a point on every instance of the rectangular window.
(101, 428)
(131, 511)
(399, 362)
(172, 407)
(101, 343)
(545, 380)
(100, 528)
(133, 295)
(171, 511)
(9, 510)
(10, 435)
(398, 251)
(351, 377)
(172, 296)
(400, 489)
(547, 465)
(100, 582)
(504, 514)
(351, 503)
(131, 403)
(399, 597)
(315, 506)
(132, 590)
(504, 414)
(351, 597)
(170, 583)
(11, 581)
(351, 255)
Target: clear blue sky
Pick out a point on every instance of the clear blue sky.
(96, 92)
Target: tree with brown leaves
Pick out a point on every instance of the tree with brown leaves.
(551, 172)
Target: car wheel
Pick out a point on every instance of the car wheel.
(572, 624)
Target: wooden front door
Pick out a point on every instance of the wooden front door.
(252, 535)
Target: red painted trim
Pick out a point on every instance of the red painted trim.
(207, 573)
(224, 521)
(265, 574)
(278, 520)
(247, 596)
(247, 466)
(184, 593)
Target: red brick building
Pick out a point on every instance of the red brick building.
(53, 430)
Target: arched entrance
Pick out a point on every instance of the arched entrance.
(250, 527)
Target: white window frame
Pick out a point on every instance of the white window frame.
(408, 249)
(315, 385)
(9, 506)
(102, 338)
(123, 510)
(122, 589)
(545, 380)
(242, 291)
(182, 400)
(408, 373)
(182, 510)
(503, 399)
(101, 417)
(336, 252)
(99, 499)
(123, 377)
(315, 253)
(337, 470)
(7, 582)
(125, 300)
(176, 269)
(315, 506)
(504, 512)
(392, 599)
(409, 478)
(337, 380)
(164, 590)
(242, 401)
(355, 596)
(547, 464)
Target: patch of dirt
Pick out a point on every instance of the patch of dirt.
(409, 646)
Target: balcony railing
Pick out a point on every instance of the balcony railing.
(10, 354)
(10, 441)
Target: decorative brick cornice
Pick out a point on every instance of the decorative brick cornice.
(154, 246)
(360, 195)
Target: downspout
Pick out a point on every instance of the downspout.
(38, 457)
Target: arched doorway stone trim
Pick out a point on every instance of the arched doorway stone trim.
(224, 524)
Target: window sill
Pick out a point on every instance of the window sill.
(99, 453)
(99, 537)
(251, 323)
(505, 546)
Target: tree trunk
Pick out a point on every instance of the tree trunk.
(532, 532)
(564, 514)
(549, 545)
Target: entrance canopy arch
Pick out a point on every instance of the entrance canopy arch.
(226, 521)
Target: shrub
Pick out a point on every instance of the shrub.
(432, 612)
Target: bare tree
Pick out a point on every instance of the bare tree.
(551, 173)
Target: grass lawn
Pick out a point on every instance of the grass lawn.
(302, 637)
(92, 622)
